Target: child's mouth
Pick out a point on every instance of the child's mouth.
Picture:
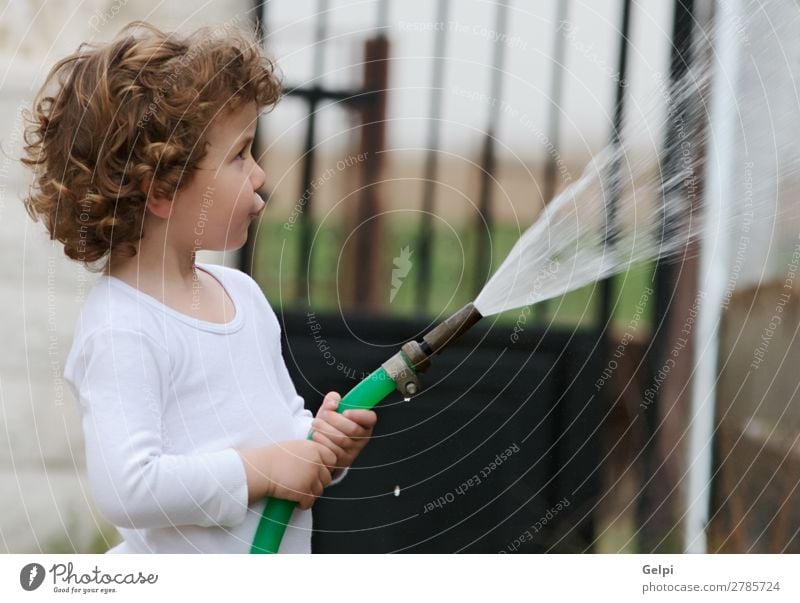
(263, 205)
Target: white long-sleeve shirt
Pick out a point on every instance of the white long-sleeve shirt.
(166, 399)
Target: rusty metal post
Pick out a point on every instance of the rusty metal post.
(369, 285)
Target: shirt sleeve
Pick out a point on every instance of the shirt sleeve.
(121, 379)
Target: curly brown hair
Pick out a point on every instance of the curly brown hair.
(116, 120)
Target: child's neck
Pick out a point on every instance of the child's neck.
(151, 268)
(202, 296)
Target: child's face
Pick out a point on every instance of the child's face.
(215, 210)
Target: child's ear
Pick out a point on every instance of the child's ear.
(157, 205)
(161, 207)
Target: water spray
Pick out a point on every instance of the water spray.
(399, 372)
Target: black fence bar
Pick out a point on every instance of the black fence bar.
(424, 242)
(654, 514)
(556, 94)
(616, 168)
(316, 94)
(306, 192)
(554, 120)
(483, 225)
(680, 59)
(245, 260)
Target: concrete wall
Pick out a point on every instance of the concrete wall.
(45, 505)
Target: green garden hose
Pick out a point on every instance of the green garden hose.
(277, 513)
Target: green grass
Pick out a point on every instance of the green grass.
(454, 280)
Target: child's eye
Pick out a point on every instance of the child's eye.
(243, 153)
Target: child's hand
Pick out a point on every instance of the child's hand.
(296, 470)
(344, 434)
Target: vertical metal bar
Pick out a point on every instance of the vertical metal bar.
(483, 225)
(554, 119)
(556, 94)
(616, 168)
(424, 242)
(372, 108)
(680, 59)
(245, 255)
(306, 224)
(655, 509)
(369, 222)
(259, 14)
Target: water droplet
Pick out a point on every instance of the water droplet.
(397, 490)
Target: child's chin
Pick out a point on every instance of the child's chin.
(228, 246)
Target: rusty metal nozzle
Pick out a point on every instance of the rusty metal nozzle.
(419, 353)
(414, 356)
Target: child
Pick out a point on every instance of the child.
(141, 149)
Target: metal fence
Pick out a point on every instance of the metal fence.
(422, 484)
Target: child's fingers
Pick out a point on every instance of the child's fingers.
(321, 438)
(365, 418)
(327, 456)
(331, 400)
(345, 425)
(307, 501)
(321, 425)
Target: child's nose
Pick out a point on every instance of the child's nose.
(258, 177)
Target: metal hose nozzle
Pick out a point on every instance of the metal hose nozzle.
(445, 333)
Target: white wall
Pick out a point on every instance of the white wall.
(46, 505)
